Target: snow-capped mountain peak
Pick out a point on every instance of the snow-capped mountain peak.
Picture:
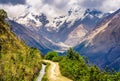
(28, 19)
(35, 19)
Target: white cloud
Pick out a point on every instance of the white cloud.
(58, 7)
(13, 11)
(110, 5)
(37, 4)
(50, 7)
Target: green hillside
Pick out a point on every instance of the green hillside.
(17, 61)
(77, 68)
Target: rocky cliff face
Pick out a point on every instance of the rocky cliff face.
(102, 45)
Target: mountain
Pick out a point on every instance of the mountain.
(30, 37)
(73, 16)
(102, 45)
(56, 33)
(16, 59)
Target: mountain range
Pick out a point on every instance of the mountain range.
(91, 32)
(58, 33)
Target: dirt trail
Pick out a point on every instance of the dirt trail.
(53, 72)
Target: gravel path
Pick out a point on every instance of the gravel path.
(53, 72)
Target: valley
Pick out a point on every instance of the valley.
(60, 40)
(90, 28)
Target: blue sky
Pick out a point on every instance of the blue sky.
(17, 7)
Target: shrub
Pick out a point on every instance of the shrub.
(57, 59)
(50, 55)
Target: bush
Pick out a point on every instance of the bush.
(51, 55)
(57, 59)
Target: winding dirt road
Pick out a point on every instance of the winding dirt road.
(53, 72)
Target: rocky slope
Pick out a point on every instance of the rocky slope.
(102, 45)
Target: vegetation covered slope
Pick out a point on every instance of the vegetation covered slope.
(17, 61)
(76, 68)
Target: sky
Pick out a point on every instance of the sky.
(15, 8)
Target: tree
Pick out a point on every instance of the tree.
(107, 68)
(51, 55)
(71, 54)
(3, 15)
(86, 60)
